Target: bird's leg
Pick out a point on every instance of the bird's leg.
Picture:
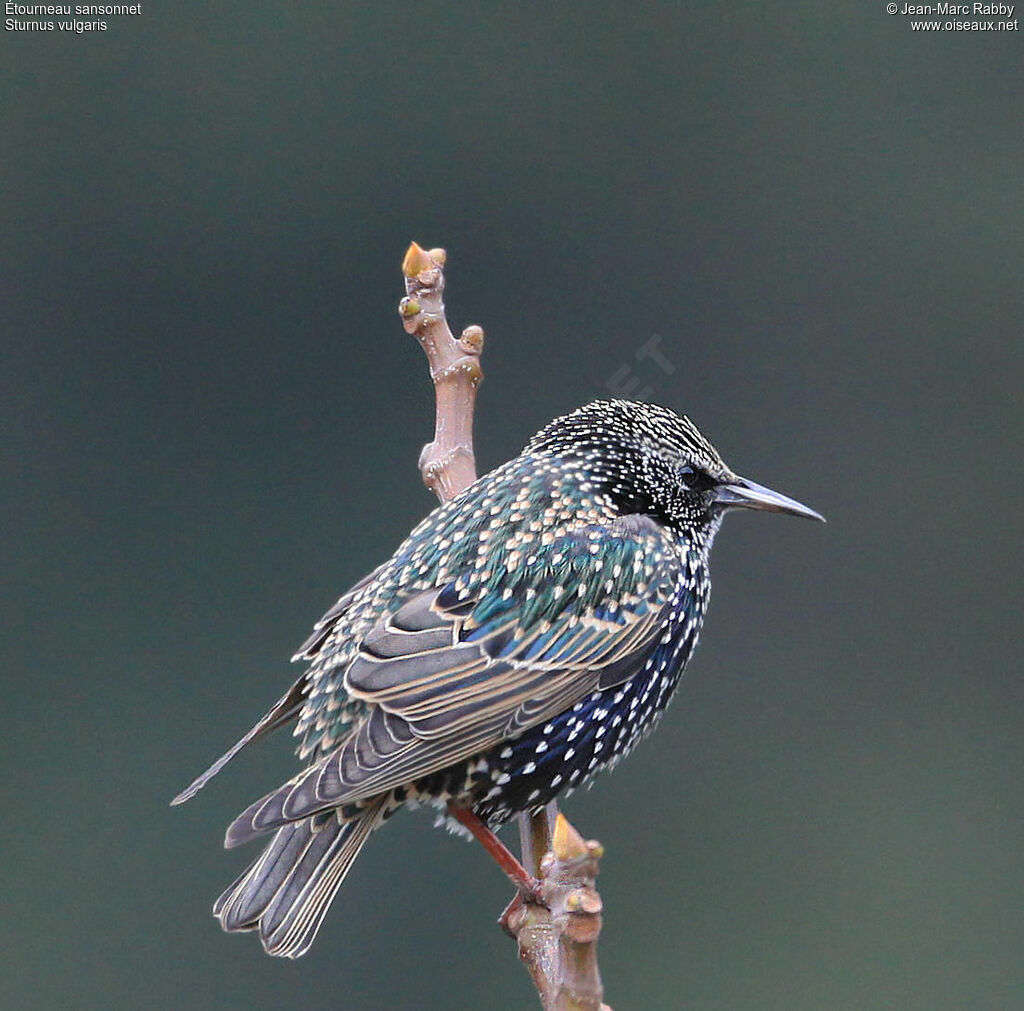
(526, 884)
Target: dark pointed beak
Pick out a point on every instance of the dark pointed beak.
(740, 493)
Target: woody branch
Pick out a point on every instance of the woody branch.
(557, 935)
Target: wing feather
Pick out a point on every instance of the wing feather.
(475, 670)
(284, 710)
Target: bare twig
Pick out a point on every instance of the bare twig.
(557, 939)
(447, 464)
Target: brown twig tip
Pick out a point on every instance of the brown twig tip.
(417, 260)
(566, 842)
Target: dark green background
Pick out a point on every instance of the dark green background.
(211, 418)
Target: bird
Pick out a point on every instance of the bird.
(525, 636)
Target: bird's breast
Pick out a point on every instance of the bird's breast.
(556, 756)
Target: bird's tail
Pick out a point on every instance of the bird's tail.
(286, 893)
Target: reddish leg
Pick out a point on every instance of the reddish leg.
(526, 883)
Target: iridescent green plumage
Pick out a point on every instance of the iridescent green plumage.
(519, 543)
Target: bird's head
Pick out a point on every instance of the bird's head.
(651, 460)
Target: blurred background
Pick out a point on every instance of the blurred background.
(211, 418)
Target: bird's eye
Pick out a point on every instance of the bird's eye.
(694, 478)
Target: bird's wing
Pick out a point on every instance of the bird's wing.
(290, 704)
(285, 709)
(453, 672)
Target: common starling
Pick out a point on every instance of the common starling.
(523, 637)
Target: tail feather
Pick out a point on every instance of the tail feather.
(286, 893)
(241, 905)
